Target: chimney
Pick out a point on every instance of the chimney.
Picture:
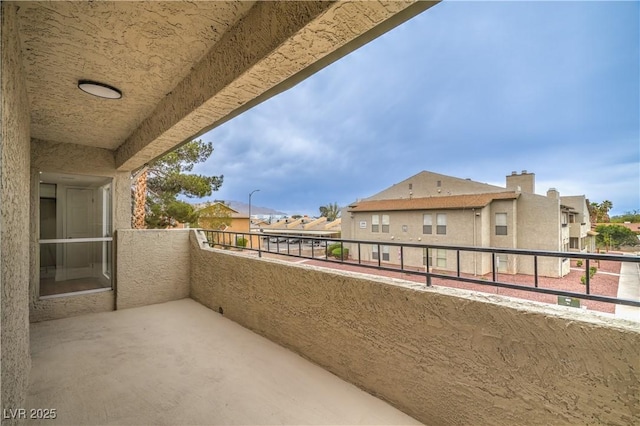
(525, 181)
(553, 193)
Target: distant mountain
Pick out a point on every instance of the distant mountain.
(241, 207)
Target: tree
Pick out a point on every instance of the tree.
(633, 217)
(599, 213)
(614, 236)
(330, 211)
(166, 178)
(605, 206)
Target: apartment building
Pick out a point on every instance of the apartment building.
(434, 209)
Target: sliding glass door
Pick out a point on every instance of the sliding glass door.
(75, 234)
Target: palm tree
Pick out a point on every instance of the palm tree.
(330, 211)
(605, 206)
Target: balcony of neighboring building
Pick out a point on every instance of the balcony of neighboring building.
(578, 230)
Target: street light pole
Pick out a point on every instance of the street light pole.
(250, 194)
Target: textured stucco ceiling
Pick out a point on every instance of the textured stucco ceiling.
(183, 67)
(142, 48)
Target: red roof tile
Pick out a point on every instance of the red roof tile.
(467, 201)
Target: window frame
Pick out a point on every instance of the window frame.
(501, 227)
(375, 223)
(441, 225)
(427, 228)
(385, 223)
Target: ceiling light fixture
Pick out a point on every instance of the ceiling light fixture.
(99, 89)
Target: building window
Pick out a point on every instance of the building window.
(501, 224)
(385, 253)
(502, 261)
(441, 220)
(375, 223)
(437, 257)
(440, 258)
(427, 224)
(410, 186)
(375, 254)
(385, 223)
(574, 243)
(572, 218)
(564, 219)
(439, 183)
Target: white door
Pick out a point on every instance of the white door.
(78, 224)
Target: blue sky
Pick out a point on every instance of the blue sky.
(467, 89)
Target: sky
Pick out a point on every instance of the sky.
(467, 89)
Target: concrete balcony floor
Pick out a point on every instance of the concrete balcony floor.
(181, 363)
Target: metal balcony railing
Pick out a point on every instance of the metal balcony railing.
(351, 253)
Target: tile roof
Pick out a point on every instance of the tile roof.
(466, 201)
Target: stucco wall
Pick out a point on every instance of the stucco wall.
(14, 227)
(444, 356)
(71, 305)
(152, 266)
(425, 184)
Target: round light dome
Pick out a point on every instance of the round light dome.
(99, 89)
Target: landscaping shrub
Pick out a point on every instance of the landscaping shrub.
(340, 253)
(583, 280)
(332, 247)
(592, 271)
(241, 242)
(579, 263)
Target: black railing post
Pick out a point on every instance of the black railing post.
(458, 261)
(493, 265)
(359, 256)
(587, 276)
(402, 258)
(535, 270)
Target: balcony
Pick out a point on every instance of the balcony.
(440, 355)
(578, 230)
(181, 363)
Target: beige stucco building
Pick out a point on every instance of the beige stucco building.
(431, 208)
